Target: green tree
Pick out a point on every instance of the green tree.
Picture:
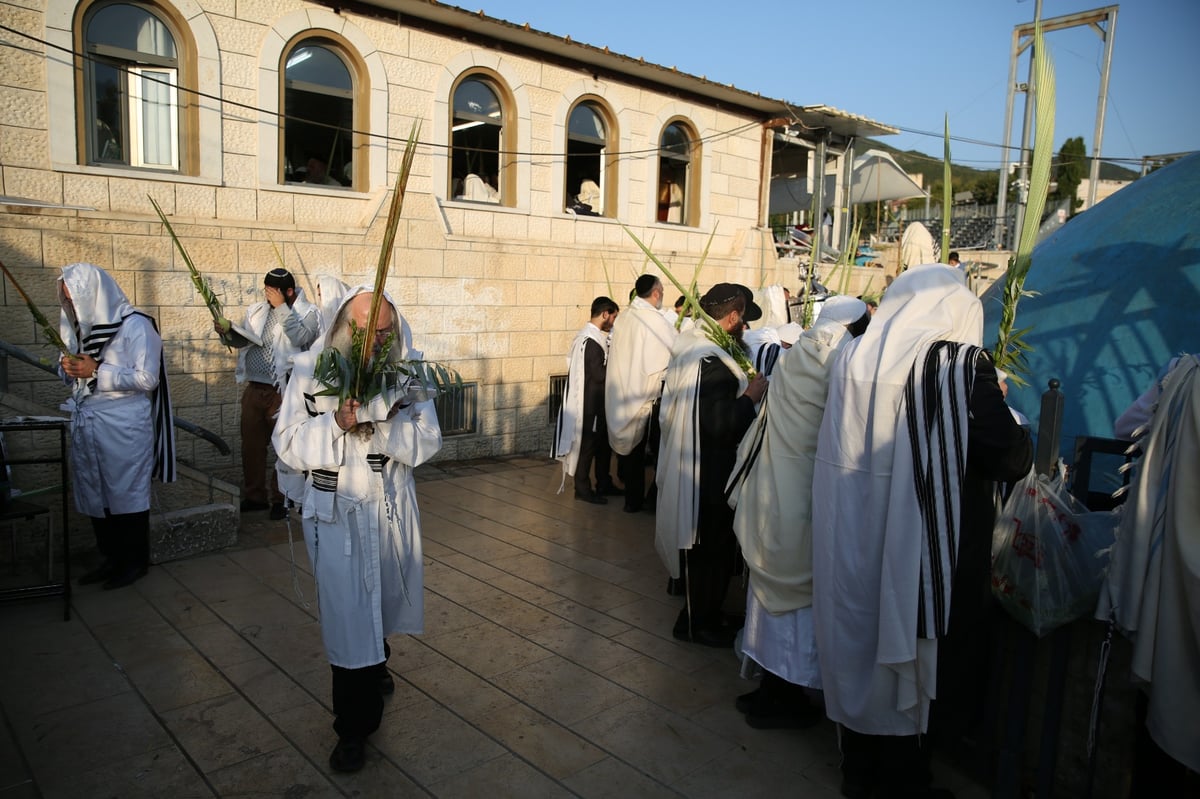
(1070, 170)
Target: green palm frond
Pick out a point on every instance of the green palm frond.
(716, 334)
(39, 318)
(202, 285)
(1010, 350)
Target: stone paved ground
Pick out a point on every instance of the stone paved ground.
(547, 669)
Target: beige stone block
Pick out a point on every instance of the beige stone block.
(167, 289)
(211, 256)
(424, 233)
(406, 101)
(241, 71)
(447, 346)
(402, 290)
(462, 263)
(23, 107)
(506, 266)
(236, 203)
(465, 318)
(27, 147)
(246, 99)
(221, 388)
(239, 35)
(518, 318)
(129, 194)
(240, 137)
(59, 249)
(391, 39)
(23, 70)
(358, 260)
(432, 48)
(329, 211)
(184, 318)
(478, 224)
(149, 254)
(539, 228)
(439, 291)
(87, 190)
(21, 248)
(241, 169)
(488, 293)
(511, 226)
(33, 184)
(562, 231)
(198, 202)
(558, 318)
(529, 343)
(254, 259)
(492, 344)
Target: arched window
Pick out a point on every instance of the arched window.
(590, 184)
(676, 181)
(318, 105)
(131, 80)
(479, 164)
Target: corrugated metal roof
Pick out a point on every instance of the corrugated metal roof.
(639, 70)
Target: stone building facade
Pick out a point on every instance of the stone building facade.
(209, 107)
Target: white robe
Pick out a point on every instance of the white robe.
(361, 522)
(879, 676)
(1153, 586)
(679, 454)
(112, 430)
(569, 431)
(637, 360)
(282, 347)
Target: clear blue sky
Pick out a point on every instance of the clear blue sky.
(908, 64)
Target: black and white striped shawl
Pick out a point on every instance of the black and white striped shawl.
(936, 399)
(160, 398)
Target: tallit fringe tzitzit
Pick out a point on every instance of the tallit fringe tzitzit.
(299, 591)
(935, 407)
(393, 517)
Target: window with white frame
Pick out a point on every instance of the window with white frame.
(477, 135)
(588, 179)
(131, 87)
(318, 105)
(677, 151)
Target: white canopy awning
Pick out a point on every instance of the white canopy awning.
(876, 177)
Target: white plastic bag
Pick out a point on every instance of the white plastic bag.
(1049, 553)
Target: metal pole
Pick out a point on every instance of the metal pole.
(1002, 197)
(844, 200)
(1106, 33)
(1030, 91)
(818, 199)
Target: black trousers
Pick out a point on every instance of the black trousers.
(123, 539)
(357, 700)
(710, 564)
(897, 765)
(632, 467)
(593, 446)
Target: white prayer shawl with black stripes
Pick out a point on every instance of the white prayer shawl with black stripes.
(568, 432)
(94, 316)
(932, 447)
(679, 453)
(869, 535)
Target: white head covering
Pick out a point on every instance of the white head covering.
(775, 310)
(96, 302)
(405, 337)
(330, 290)
(842, 309)
(790, 333)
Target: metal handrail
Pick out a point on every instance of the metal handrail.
(8, 350)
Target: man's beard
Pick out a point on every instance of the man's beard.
(340, 339)
(738, 334)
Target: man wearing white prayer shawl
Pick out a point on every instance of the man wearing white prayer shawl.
(284, 324)
(581, 435)
(638, 354)
(914, 428)
(1152, 591)
(329, 292)
(708, 403)
(771, 491)
(360, 516)
(122, 433)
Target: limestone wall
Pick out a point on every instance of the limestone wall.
(495, 292)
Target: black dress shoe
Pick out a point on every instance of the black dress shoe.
(610, 490)
(250, 505)
(592, 497)
(127, 576)
(278, 512)
(745, 702)
(350, 754)
(98, 575)
(387, 686)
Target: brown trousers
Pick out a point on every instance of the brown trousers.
(260, 408)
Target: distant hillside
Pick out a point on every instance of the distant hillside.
(915, 162)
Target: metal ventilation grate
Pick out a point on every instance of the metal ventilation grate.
(554, 397)
(458, 409)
